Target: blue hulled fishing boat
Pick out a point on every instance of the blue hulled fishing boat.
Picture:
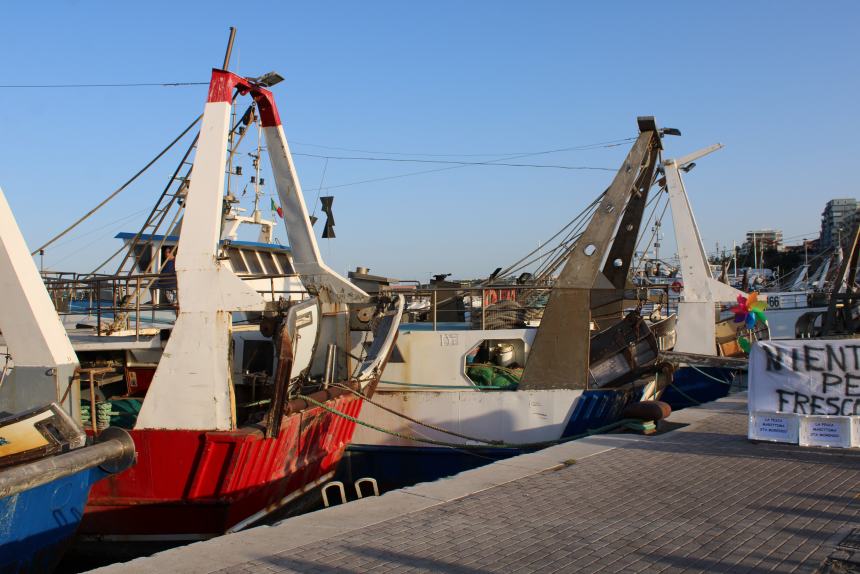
(46, 477)
(46, 465)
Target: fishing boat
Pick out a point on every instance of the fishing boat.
(499, 368)
(800, 310)
(46, 466)
(240, 403)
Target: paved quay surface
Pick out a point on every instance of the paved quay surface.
(698, 499)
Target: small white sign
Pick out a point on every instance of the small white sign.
(855, 432)
(773, 427)
(825, 431)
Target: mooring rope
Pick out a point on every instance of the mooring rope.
(416, 421)
(499, 444)
(446, 387)
(717, 379)
(701, 372)
(685, 395)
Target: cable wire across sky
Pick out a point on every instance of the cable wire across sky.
(130, 85)
(505, 158)
(598, 145)
(459, 163)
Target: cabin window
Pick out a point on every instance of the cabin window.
(143, 257)
(253, 262)
(496, 364)
(284, 262)
(258, 357)
(269, 263)
(236, 260)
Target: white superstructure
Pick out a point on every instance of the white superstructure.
(43, 358)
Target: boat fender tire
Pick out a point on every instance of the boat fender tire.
(647, 410)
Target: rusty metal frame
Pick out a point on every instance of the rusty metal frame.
(559, 357)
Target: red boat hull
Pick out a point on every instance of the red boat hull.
(193, 484)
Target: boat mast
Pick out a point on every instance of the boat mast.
(696, 329)
(256, 158)
(594, 276)
(735, 258)
(192, 385)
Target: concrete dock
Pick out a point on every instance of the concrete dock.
(701, 498)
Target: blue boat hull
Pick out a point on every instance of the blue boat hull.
(399, 466)
(694, 386)
(599, 408)
(37, 525)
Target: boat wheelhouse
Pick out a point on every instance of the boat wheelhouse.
(265, 266)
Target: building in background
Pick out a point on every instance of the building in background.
(837, 219)
(762, 240)
(805, 246)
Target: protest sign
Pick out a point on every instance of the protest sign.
(805, 391)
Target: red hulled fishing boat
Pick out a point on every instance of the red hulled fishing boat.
(209, 459)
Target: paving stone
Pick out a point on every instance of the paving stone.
(698, 499)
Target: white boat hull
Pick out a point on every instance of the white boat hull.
(514, 417)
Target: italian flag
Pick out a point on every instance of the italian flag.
(277, 208)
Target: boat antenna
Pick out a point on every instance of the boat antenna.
(258, 192)
(230, 140)
(229, 48)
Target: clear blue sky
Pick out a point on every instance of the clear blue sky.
(776, 82)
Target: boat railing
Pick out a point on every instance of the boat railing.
(506, 306)
(516, 306)
(119, 304)
(131, 304)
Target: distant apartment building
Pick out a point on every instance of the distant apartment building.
(762, 240)
(837, 219)
(805, 246)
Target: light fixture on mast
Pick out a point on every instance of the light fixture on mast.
(268, 79)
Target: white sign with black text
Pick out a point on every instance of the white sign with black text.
(805, 392)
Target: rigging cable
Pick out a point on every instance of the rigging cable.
(584, 147)
(119, 189)
(131, 85)
(118, 224)
(438, 169)
(319, 189)
(550, 253)
(654, 230)
(457, 163)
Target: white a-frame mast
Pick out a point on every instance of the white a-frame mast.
(43, 357)
(696, 328)
(192, 386)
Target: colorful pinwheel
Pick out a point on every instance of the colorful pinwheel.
(748, 311)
